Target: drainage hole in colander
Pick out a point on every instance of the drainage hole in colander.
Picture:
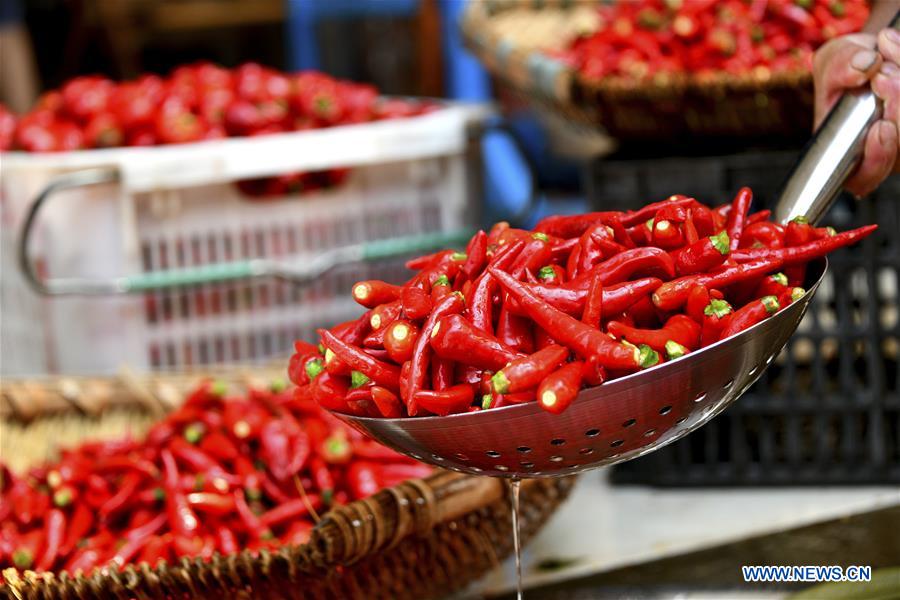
(557, 441)
(665, 410)
(476, 469)
(493, 454)
(681, 420)
(700, 397)
(586, 451)
(556, 458)
(524, 449)
(616, 443)
(592, 432)
(527, 465)
(502, 468)
(649, 432)
(436, 457)
(629, 423)
(752, 372)
(415, 456)
(769, 360)
(460, 456)
(729, 384)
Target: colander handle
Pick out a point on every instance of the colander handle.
(831, 155)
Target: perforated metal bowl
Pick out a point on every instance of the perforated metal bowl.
(617, 421)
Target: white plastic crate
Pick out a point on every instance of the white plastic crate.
(176, 206)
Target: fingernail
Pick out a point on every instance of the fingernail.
(893, 35)
(890, 70)
(863, 60)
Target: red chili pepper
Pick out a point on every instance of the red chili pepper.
(476, 255)
(514, 331)
(415, 301)
(375, 292)
(226, 541)
(551, 275)
(678, 328)
(673, 294)
(771, 285)
(453, 338)
(593, 305)
(557, 391)
(420, 361)
(763, 233)
(697, 301)
(400, 339)
(481, 301)
(703, 255)
(136, 539)
(571, 226)
(690, 230)
(715, 317)
(440, 288)
(157, 548)
(382, 373)
(796, 255)
(387, 402)
(649, 211)
(749, 315)
(527, 372)
(298, 534)
(650, 262)
(616, 298)
(252, 523)
(117, 502)
(353, 332)
(362, 480)
(737, 216)
(181, 518)
(758, 217)
(54, 533)
(584, 340)
(284, 446)
(667, 235)
(442, 373)
(593, 372)
(444, 402)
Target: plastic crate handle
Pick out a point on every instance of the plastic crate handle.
(297, 272)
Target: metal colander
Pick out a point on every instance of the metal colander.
(634, 415)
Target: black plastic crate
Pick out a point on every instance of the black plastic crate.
(827, 411)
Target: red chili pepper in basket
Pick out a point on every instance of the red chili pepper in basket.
(749, 315)
(362, 480)
(375, 293)
(211, 503)
(284, 446)
(557, 391)
(737, 216)
(136, 539)
(584, 340)
(703, 255)
(476, 255)
(796, 255)
(678, 328)
(527, 372)
(54, 534)
(292, 509)
(182, 519)
(157, 548)
(444, 402)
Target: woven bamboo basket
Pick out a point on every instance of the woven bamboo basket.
(424, 538)
(511, 39)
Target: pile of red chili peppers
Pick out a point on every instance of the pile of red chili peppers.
(220, 474)
(525, 316)
(198, 102)
(643, 38)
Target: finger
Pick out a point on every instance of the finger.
(889, 44)
(879, 157)
(886, 86)
(846, 64)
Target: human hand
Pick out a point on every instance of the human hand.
(852, 61)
